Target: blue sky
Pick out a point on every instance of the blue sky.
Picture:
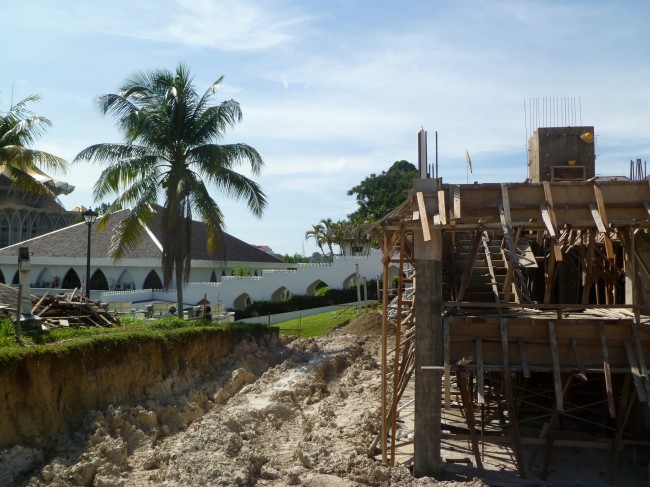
(333, 90)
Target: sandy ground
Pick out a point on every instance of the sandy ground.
(302, 414)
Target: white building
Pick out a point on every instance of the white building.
(58, 261)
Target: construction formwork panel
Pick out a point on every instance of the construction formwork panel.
(562, 154)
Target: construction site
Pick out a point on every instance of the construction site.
(522, 319)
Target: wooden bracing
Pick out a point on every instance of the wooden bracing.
(545, 292)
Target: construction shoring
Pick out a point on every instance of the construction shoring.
(588, 217)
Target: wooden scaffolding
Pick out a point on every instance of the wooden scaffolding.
(527, 300)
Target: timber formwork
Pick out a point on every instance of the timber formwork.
(528, 301)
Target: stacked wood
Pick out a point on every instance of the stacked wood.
(61, 310)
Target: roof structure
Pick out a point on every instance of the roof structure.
(72, 242)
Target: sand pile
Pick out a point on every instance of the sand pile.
(367, 324)
(304, 414)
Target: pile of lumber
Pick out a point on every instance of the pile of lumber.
(69, 309)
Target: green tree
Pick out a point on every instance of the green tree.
(19, 128)
(172, 152)
(378, 194)
(318, 234)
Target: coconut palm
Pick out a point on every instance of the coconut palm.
(19, 128)
(317, 234)
(172, 153)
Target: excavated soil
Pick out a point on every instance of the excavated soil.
(300, 414)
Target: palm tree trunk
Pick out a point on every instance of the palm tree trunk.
(178, 267)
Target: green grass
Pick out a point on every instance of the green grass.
(61, 340)
(320, 324)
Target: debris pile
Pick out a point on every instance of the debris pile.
(69, 309)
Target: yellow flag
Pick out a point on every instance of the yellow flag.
(469, 161)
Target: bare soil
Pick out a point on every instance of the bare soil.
(300, 414)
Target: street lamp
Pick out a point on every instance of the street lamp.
(89, 217)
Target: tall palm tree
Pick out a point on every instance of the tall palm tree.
(172, 152)
(19, 128)
(317, 234)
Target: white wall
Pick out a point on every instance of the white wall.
(298, 281)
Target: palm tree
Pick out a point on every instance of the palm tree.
(328, 232)
(19, 128)
(171, 152)
(317, 234)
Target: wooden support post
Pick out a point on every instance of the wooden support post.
(625, 406)
(550, 435)
(606, 370)
(510, 400)
(384, 349)
(398, 335)
(589, 275)
(428, 351)
(557, 377)
(469, 265)
(524, 358)
(480, 373)
(462, 378)
(442, 208)
(636, 373)
(454, 191)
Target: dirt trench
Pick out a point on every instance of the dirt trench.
(300, 414)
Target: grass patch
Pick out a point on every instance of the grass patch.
(62, 340)
(320, 324)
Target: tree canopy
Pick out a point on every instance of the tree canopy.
(19, 128)
(172, 152)
(378, 194)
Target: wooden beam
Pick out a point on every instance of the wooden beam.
(524, 358)
(469, 265)
(480, 377)
(510, 401)
(462, 377)
(424, 218)
(600, 202)
(493, 277)
(546, 218)
(454, 191)
(589, 264)
(442, 209)
(606, 370)
(636, 373)
(557, 377)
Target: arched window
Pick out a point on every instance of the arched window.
(314, 286)
(242, 301)
(16, 279)
(71, 280)
(98, 281)
(152, 281)
(2, 278)
(213, 277)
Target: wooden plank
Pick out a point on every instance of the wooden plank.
(598, 220)
(510, 401)
(424, 218)
(557, 377)
(480, 377)
(643, 367)
(546, 218)
(524, 358)
(600, 202)
(469, 265)
(589, 263)
(606, 370)
(442, 209)
(548, 196)
(636, 373)
(468, 405)
(40, 301)
(493, 278)
(646, 205)
(582, 374)
(454, 189)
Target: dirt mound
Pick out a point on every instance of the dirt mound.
(368, 324)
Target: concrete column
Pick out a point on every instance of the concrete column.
(428, 351)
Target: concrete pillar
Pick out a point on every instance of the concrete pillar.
(428, 351)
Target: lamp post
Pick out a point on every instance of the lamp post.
(89, 217)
